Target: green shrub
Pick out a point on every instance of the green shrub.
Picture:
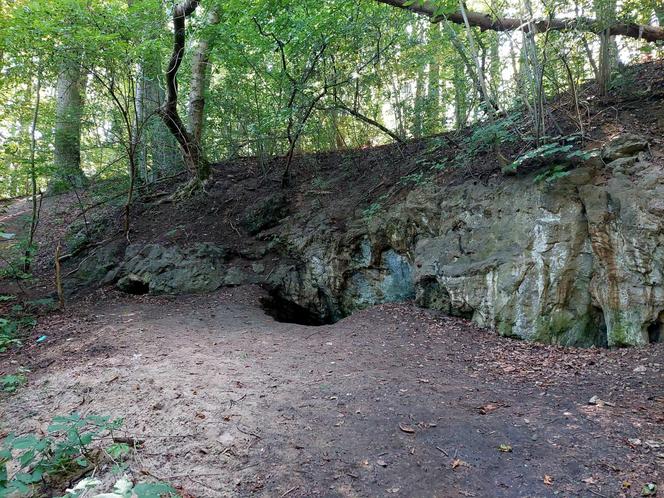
(73, 443)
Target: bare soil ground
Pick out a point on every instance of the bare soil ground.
(392, 401)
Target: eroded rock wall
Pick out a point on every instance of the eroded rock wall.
(578, 262)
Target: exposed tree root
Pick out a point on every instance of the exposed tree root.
(190, 189)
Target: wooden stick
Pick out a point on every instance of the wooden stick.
(58, 278)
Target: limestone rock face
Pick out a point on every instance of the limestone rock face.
(579, 262)
(170, 270)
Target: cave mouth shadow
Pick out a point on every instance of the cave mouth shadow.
(135, 286)
(656, 331)
(286, 311)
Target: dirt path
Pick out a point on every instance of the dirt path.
(232, 403)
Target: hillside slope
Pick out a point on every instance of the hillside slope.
(568, 250)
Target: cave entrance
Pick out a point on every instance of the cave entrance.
(134, 286)
(600, 338)
(656, 330)
(286, 311)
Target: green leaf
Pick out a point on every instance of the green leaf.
(118, 450)
(27, 458)
(649, 489)
(153, 490)
(25, 442)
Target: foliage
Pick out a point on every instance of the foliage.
(552, 174)
(373, 209)
(560, 148)
(315, 75)
(417, 178)
(499, 132)
(123, 488)
(8, 332)
(18, 320)
(11, 382)
(72, 443)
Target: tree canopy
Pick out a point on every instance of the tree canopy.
(273, 78)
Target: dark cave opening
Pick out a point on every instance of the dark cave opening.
(286, 311)
(599, 326)
(656, 331)
(135, 286)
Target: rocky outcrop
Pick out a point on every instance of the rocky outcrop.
(577, 261)
(159, 269)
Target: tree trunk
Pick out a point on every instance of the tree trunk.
(67, 141)
(192, 154)
(432, 121)
(157, 153)
(200, 82)
(365, 119)
(29, 251)
(418, 117)
(460, 96)
(606, 13)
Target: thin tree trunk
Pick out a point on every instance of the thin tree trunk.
(157, 153)
(478, 67)
(460, 97)
(432, 121)
(353, 112)
(536, 76)
(606, 13)
(418, 118)
(471, 67)
(33, 178)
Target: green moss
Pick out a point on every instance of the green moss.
(624, 328)
(505, 329)
(563, 328)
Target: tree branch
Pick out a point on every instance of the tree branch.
(486, 22)
(339, 105)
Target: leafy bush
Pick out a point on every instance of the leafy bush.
(552, 174)
(10, 383)
(123, 488)
(73, 443)
(560, 149)
(372, 210)
(417, 178)
(485, 137)
(16, 321)
(8, 330)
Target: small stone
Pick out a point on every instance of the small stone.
(640, 369)
(595, 401)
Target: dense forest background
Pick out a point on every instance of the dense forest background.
(92, 91)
